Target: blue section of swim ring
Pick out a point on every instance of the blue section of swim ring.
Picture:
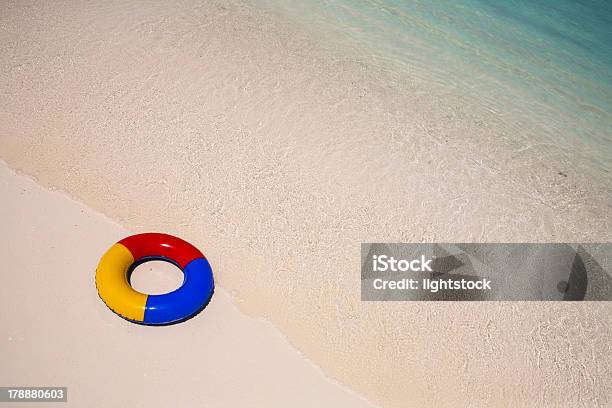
(185, 301)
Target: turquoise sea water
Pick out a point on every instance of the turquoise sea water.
(545, 61)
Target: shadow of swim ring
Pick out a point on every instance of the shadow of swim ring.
(117, 264)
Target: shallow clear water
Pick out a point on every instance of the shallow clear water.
(544, 62)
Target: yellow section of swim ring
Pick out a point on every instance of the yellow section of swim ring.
(113, 286)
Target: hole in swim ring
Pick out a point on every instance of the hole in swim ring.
(156, 277)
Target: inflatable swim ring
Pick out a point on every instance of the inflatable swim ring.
(117, 264)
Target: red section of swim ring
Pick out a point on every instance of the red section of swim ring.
(156, 244)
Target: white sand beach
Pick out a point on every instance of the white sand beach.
(56, 331)
(277, 154)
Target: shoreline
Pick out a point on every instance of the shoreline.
(278, 157)
(82, 356)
